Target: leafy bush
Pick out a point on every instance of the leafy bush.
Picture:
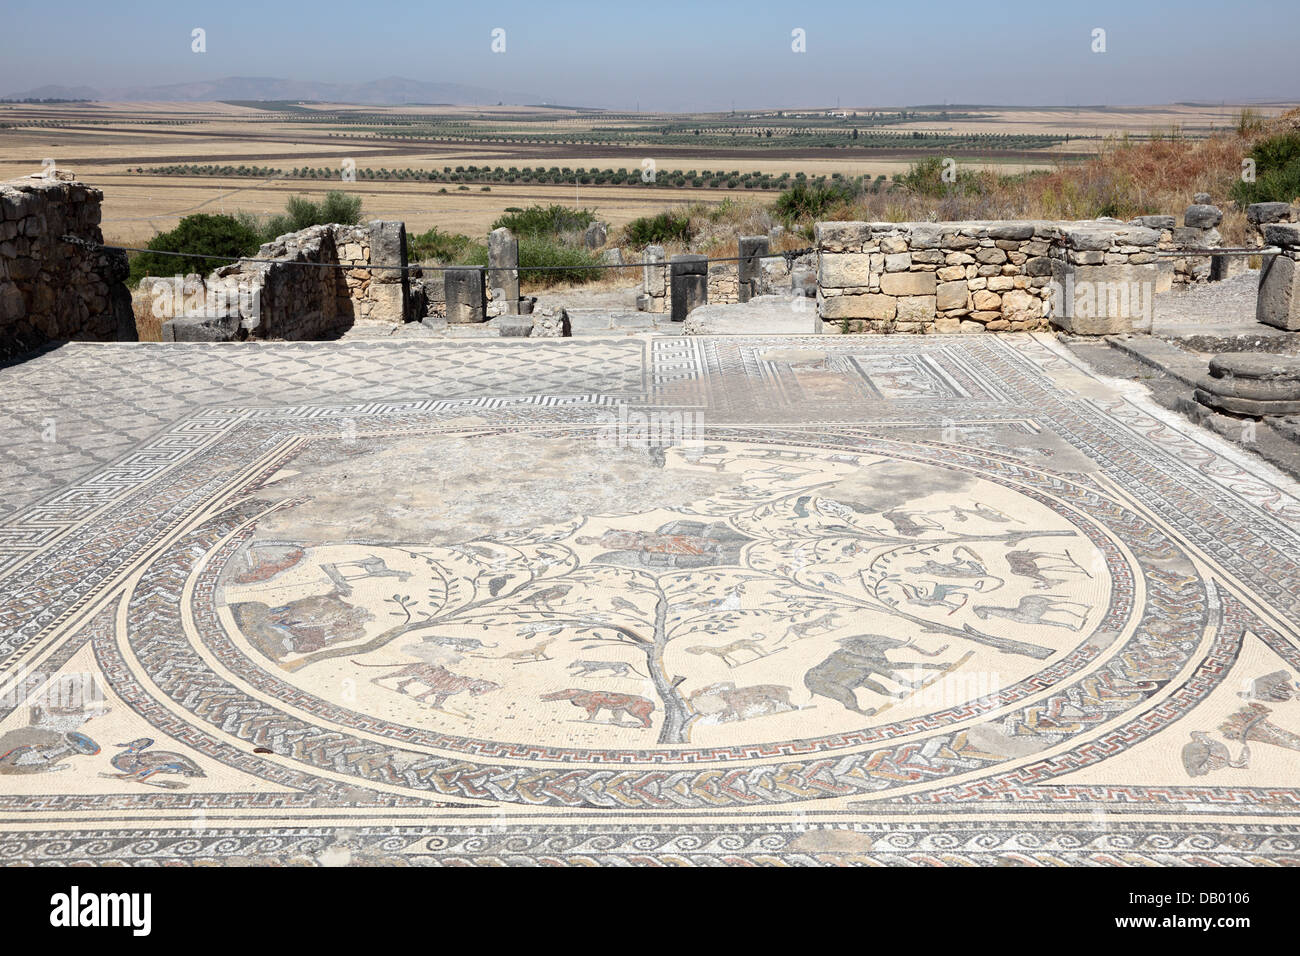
(804, 201)
(1277, 171)
(302, 212)
(665, 227)
(572, 265)
(549, 220)
(203, 234)
(445, 247)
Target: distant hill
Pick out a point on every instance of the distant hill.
(54, 92)
(389, 91)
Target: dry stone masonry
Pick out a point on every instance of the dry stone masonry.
(1086, 277)
(321, 282)
(51, 289)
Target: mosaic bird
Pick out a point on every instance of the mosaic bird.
(135, 764)
(547, 595)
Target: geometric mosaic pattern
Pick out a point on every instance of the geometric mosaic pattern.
(714, 600)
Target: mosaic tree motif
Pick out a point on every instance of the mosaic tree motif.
(749, 572)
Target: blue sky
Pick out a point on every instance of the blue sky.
(677, 55)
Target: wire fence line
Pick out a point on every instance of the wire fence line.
(789, 255)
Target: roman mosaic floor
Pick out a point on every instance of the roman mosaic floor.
(637, 601)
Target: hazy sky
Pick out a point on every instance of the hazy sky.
(688, 54)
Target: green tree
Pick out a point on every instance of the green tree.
(202, 234)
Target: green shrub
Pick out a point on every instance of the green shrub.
(812, 201)
(446, 247)
(201, 233)
(572, 265)
(545, 220)
(665, 227)
(301, 213)
(1277, 171)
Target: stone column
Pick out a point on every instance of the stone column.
(1278, 304)
(503, 268)
(390, 289)
(751, 250)
(654, 281)
(465, 288)
(689, 280)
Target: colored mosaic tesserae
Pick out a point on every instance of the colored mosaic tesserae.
(693, 599)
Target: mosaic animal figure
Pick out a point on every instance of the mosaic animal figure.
(727, 602)
(970, 566)
(697, 456)
(724, 701)
(727, 652)
(910, 524)
(458, 643)
(1035, 564)
(141, 766)
(371, 567)
(594, 701)
(441, 683)
(980, 510)
(616, 668)
(803, 629)
(857, 663)
(42, 750)
(939, 594)
(528, 655)
(544, 597)
(52, 734)
(1034, 608)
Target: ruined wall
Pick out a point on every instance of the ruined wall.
(724, 283)
(51, 289)
(973, 276)
(321, 283)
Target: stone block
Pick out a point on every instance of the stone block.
(751, 251)
(908, 283)
(1011, 230)
(1103, 300)
(1262, 213)
(866, 306)
(688, 277)
(1286, 235)
(514, 326)
(388, 303)
(916, 308)
(841, 236)
(1278, 300)
(1202, 216)
(503, 267)
(839, 270)
(1020, 306)
(595, 235)
(951, 295)
(465, 290)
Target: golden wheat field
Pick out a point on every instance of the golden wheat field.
(114, 145)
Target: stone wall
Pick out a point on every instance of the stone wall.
(322, 282)
(724, 283)
(50, 289)
(1261, 215)
(980, 276)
